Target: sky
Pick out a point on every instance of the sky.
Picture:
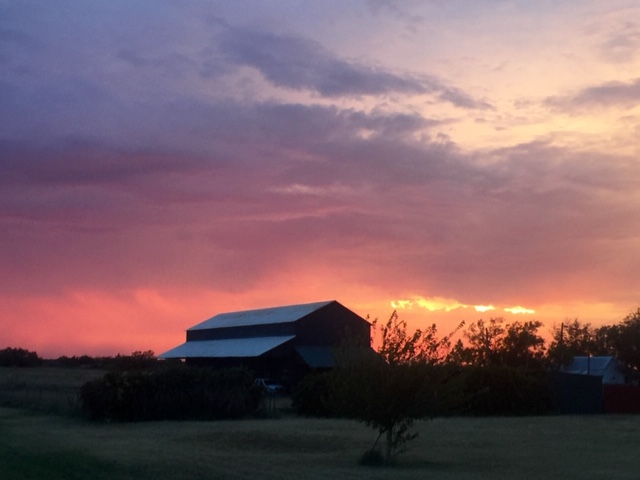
(162, 162)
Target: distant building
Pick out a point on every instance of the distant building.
(593, 385)
(605, 367)
(283, 343)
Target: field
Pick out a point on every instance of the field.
(46, 446)
(45, 389)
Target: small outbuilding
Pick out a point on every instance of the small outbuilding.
(593, 385)
(284, 343)
(606, 367)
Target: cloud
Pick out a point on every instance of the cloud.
(384, 211)
(432, 304)
(299, 63)
(132, 166)
(606, 95)
(441, 304)
(622, 45)
(484, 308)
(520, 310)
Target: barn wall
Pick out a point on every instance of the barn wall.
(330, 325)
(281, 364)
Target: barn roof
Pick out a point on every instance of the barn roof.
(263, 316)
(225, 348)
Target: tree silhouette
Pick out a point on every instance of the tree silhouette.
(390, 390)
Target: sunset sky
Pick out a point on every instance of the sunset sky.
(162, 162)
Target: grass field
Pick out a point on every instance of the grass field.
(46, 389)
(45, 446)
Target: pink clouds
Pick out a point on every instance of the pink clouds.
(152, 182)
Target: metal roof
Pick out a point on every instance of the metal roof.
(588, 365)
(231, 347)
(262, 316)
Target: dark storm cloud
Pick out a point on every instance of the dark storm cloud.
(611, 94)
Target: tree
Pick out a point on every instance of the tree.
(400, 384)
(624, 340)
(483, 343)
(521, 346)
(495, 343)
(397, 346)
(571, 339)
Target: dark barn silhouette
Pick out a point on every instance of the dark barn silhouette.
(284, 343)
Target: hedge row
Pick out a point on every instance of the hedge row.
(173, 393)
(469, 391)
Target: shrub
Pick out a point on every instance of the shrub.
(500, 390)
(173, 393)
(312, 396)
(372, 458)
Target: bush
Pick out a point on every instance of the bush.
(174, 393)
(500, 390)
(312, 396)
(372, 458)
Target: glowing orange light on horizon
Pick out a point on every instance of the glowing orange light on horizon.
(483, 308)
(433, 304)
(440, 304)
(520, 310)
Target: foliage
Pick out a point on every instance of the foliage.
(496, 343)
(312, 396)
(388, 391)
(170, 393)
(569, 340)
(626, 341)
(521, 346)
(19, 357)
(136, 361)
(500, 390)
(422, 346)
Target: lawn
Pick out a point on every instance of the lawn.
(45, 438)
(34, 445)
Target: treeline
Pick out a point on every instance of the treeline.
(20, 357)
(138, 360)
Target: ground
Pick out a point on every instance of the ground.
(42, 443)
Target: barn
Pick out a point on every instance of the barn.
(284, 343)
